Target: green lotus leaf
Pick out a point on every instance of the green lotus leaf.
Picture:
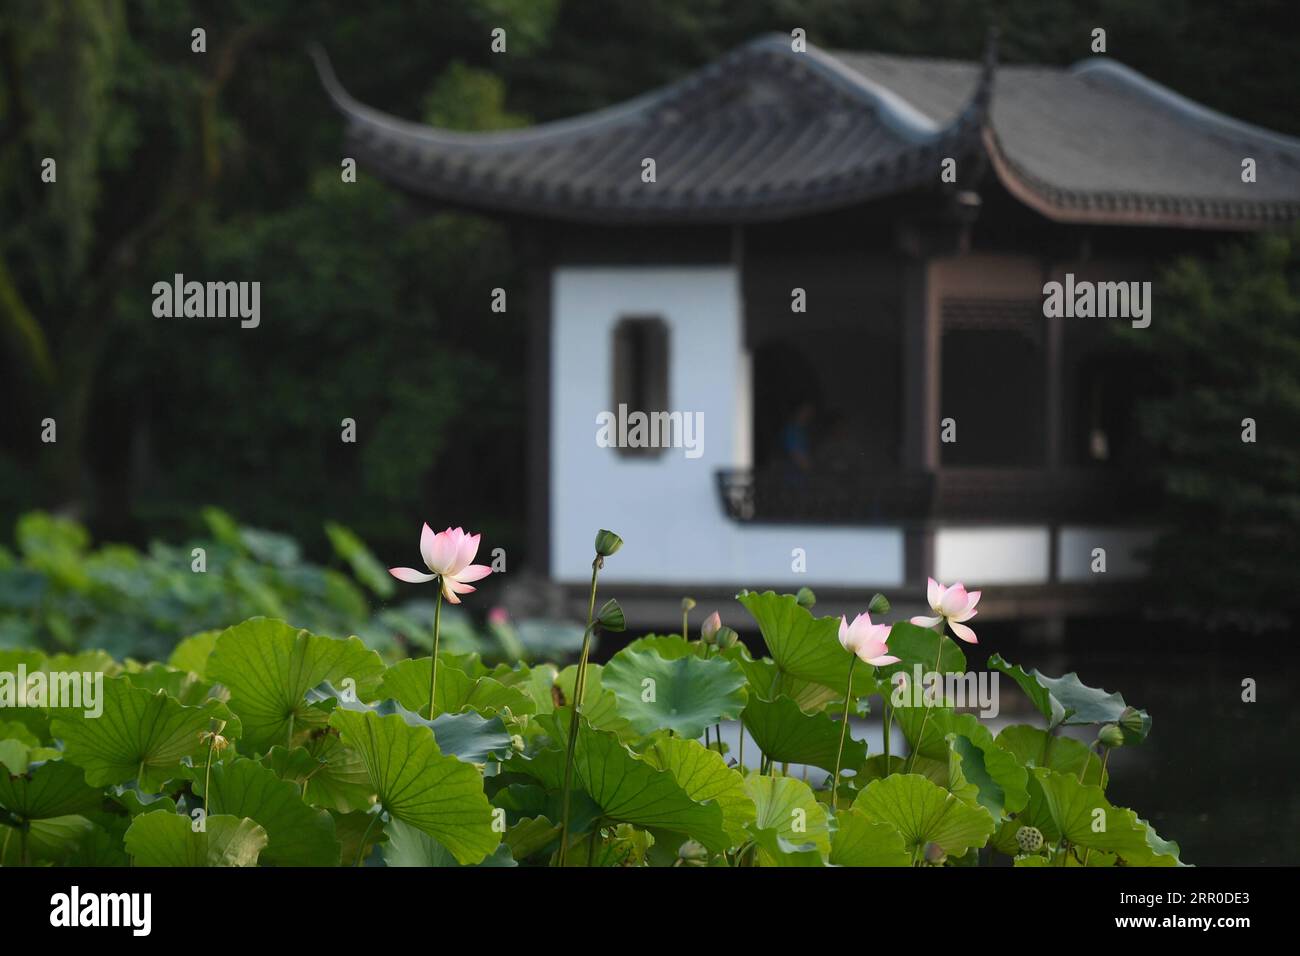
(623, 845)
(536, 680)
(1086, 819)
(418, 784)
(599, 705)
(767, 681)
(861, 841)
(136, 803)
(1066, 700)
(327, 773)
(470, 737)
(705, 777)
(298, 835)
(140, 736)
(786, 734)
(407, 682)
(668, 646)
(268, 667)
(53, 789)
(358, 833)
(185, 686)
(1035, 747)
(915, 645)
(877, 768)
(531, 835)
(998, 779)
(684, 695)
(168, 839)
(804, 647)
(787, 808)
(20, 747)
(192, 653)
(49, 840)
(522, 801)
(774, 849)
(409, 846)
(627, 788)
(1160, 846)
(925, 813)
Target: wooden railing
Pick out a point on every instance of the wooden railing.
(958, 494)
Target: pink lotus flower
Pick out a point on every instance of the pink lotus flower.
(447, 555)
(867, 640)
(953, 605)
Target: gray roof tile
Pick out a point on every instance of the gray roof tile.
(765, 133)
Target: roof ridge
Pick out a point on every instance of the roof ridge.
(1175, 103)
(890, 107)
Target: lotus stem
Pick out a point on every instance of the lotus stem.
(844, 729)
(889, 726)
(925, 717)
(433, 665)
(579, 688)
(207, 779)
(361, 850)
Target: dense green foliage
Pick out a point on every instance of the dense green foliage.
(1228, 351)
(269, 744)
(60, 595)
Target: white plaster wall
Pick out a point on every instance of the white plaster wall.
(1075, 545)
(992, 555)
(667, 508)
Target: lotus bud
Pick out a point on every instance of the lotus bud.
(688, 605)
(1029, 839)
(607, 543)
(1134, 724)
(726, 638)
(805, 598)
(1110, 736)
(935, 854)
(879, 604)
(709, 629)
(692, 854)
(517, 743)
(610, 616)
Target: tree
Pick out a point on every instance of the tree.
(1225, 344)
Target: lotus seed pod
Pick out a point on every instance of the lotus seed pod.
(1029, 839)
(688, 604)
(607, 543)
(610, 616)
(693, 854)
(1134, 724)
(1110, 736)
(805, 598)
(879, 604)
(726, 637)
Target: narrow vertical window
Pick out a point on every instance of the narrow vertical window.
(640, 371)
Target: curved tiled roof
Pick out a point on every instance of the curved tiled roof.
(767, 133)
